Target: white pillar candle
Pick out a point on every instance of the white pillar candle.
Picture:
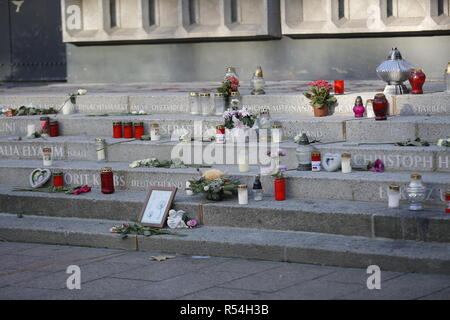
(242, 194)
(47, 157)
(394, 196)
(31, 129)
(243, 163)
(276, 134)
(346, 163)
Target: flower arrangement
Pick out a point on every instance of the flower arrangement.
(214, 185)
(230, 84)
(137, 228)
(320, 94)
(242, 118)
(155, 163)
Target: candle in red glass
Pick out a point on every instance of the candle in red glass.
(117, 129)
(380, 106)
(138, 130)
(128, 130)
(107, 180)
(339, 86)
(280, 189)
(447, 199)
(54, 129)
(417, 79)
(58, 179)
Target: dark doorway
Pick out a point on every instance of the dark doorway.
(31, 47)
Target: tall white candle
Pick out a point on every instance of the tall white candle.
(394, 196)
(188, 192)
(242, 194)
(346, 163)
(47, 157)
(243, 163)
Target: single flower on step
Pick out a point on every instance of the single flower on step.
(192, 223)
(82, 190)
(377, 166)
(81, 92)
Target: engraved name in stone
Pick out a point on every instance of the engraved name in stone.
(7, 127)
(396, 161)
(135, 183)
(78, 179)
(28, 151)
(160, 108)
(85, 107)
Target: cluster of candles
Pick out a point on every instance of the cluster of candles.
(48, 127)
(257, 192)
(201, 103)
(130, 130)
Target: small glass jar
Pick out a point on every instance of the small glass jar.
(194, 103)
(45, 126)
(58, 179)
(128, 130)
(316, 162)
(220, 134)
(416, 193)
(219, 103)
(303, 153)
(231, 72)
(242, 194)
(117, 130)
(280, 189)
(47, 156)
(54, 128)
(277, 133)
(338, 86)
(154, 132)
(235, 100)
(257, 82)
(205, 103)
(346, 163)
(107, 180)
(100, 148)
(394, 196)
(138, 130)
(257, 189)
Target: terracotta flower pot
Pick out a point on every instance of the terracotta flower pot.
(321, 112)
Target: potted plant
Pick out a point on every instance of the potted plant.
(237, 122)
(214, 185)
(320, 97)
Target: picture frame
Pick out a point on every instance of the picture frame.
(156, 206)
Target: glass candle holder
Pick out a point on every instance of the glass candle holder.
(194, 103)
(316, 162)
(280, 189)
(188, 192)
(416, 193)
(243, 163)
(58, 179)
(117, 129)
(447, 200)
(205, 103)
(235, 100)
(346, 163)
(128, 130)
(338, 86)
(107, 180)
(47, 157)
(54, 128)
(220, 134)
(100, 148)
(242, 194)
(45, 126)
(219, 103)
(138, 130)
(277, 133)
(154, 132)
(257, 189)
(394, 196)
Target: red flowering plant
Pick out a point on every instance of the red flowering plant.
(320, 94)
(230, 84)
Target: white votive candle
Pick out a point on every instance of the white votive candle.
(243, 163)
(47, 157)
(188, 192)
(346, 163)
(242, 194)
(394, 196)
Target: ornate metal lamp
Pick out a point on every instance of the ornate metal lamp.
(394, 71)
(257, 82)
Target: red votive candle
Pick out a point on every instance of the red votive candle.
(128, 130)
(58, 179)
(280, 189)
(138, 130)
(339, 86)
(107, 180)
(117, 129)
(54, 128)
(447, 200)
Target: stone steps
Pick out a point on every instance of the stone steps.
(302, 247)
(82, 148)
(326, 129)
(349, 218)
(355, 186)
(430, 103)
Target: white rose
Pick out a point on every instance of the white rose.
(81, 92)
(206, 188)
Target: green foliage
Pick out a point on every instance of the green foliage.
(30, 111)
(137, 228)
(320, 96)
